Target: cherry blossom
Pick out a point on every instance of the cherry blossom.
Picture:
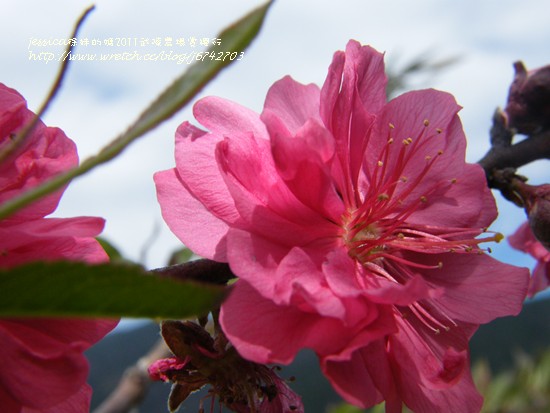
(43, 366)
(354, 226)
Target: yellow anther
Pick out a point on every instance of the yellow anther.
(426, 122)
(403, 179)
(407, 141)
(380, 163)
(440, 152)
(428, 157)
(440, 265)
(423, 199)
(383, 197)
(454, 181)
(439, 130)
(391, 126)
(390, 141)
(499, 237)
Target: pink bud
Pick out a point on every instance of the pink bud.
(528, 107)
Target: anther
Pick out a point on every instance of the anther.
(426, 122)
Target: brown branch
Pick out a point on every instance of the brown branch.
(514, 156)
(202, 270)
(134, 384)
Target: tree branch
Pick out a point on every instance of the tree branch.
(134, 384)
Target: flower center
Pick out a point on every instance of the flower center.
(377, 231)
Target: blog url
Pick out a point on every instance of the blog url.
(135, 56)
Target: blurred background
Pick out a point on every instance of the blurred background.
(99, 99)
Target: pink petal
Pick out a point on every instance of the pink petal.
(77, 403)
(540, 279)
(477, 288)
(524, 240)
(189, 219)
(355, 86)
(353, 380)
(46, 153)
(293, 103)
(262, 199)
(47, 368)
(274, 334)
(52, 239)
(271, 334)
(363, 70)
(299, 281)
(431, 377)
(13, 109)
(346, 278)
(415, 146)
(303, 162)
(466, 203)
(197, 167)
(228, 119)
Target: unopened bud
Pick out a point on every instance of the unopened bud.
(536, 200)
(528, 107)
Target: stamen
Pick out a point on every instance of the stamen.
(426, 318)
(400, 260)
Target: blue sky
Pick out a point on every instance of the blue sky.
(100, 99)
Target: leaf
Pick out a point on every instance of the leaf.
(105, 290)
(234, 39)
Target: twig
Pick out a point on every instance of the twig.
(134, 384)
(26, 131)
(514, 156)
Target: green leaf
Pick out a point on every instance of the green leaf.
(233, 39)
(180, 256)
(106, 290)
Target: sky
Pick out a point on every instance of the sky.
(100, 99)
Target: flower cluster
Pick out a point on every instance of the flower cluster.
(43, 368)
(354, 227)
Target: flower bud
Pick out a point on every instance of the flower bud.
(536, 200)
(528, 106)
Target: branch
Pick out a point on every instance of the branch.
(134, 384)
(531, 149)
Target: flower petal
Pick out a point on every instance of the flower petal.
(187, 217)
(226, 118)
(477, 288)
(293, 103)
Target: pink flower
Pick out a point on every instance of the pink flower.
(524, 240)
(43, 368)
(353, 225)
